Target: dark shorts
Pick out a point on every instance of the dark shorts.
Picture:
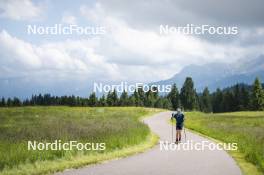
(179, 127)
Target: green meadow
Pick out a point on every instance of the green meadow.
(118, 127)
(244, 128)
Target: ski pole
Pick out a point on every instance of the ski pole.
(171, 130)
(184, 133)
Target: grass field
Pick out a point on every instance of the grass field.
(244, 128)
(118, 128)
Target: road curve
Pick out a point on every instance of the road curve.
(157, 162)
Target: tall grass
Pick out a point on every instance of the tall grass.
(244, 128)
(117, 127)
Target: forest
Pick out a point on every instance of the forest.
(240, 97)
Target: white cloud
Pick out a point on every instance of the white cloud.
(19, 9)
(146, 52)
(93, 13)
(68, 19)
(177, 12)
(17, 54)
(66, 59)
(125, 53)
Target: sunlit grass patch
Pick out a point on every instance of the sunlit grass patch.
(117, 127)
(244, 128)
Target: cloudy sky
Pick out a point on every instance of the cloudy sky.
(132, 48)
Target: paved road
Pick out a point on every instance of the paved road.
(157, 162)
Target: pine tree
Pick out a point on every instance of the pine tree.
(257, 98)
(149, 100)
(174, 97)
(78, 101)
(155, 93)
(188, 95)
(138, 100)
(159, 103)
(124, 99)
(135, 97)
(92, 100)
(26, 102)
(9, 102)
(206, 105)
(3, 103)
(237, 98)
(114, 98)
(217, 101)
(71, 101)
(166, 103)
(141, 95)
(102, 101)
(228, 101)
(163, 102)
(132, 100)
(109, 99)
(16, 102)
(197, 104)
(245, 98)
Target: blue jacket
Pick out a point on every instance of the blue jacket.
(179, 118)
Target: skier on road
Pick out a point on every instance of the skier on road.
(179, 116)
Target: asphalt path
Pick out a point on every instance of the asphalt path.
(167, 158)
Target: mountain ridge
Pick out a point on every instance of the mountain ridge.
(219, 75)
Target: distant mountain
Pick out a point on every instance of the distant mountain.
(214, 75)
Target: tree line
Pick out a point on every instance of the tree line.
(236, 98)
